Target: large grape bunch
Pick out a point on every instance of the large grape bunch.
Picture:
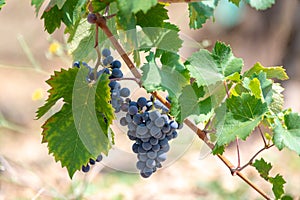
(151, 128)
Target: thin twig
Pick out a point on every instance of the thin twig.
(253, 157)
(201, 134)
(226, 88)
(238, 152)
(110, 16)
(262, 135)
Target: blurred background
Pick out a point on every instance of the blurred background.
(28, 56)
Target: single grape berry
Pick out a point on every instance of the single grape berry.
(106, 52)
(116, 64)
(99, 158)
(92, 18)
(109, 59)
(92, 161)
(85, 168)
(116, 73)
(124, 92)
(142, 101)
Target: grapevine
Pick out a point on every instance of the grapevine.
(209, 88)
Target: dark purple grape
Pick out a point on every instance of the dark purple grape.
(92, 18)
(116, 64)
(92, 161)
(106, 52)
(99, 158)
(142, 101)
(85, 168)
(116, 73)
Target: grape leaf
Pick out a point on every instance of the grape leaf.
(190, 103)
(2, 3)
(260, 4)
(243, 114)
(276, 105)
(58, 3)
(199, 12)
(83, 40)
(263, 168)
(246, 107)
(100, 5)
(278, 183)
(260, 86)
(68, 14)
(233, 128)
(169, 38)
(60, 88)
(79, 131)
(236, 2)
(288, 135)
(167, 77)
(208, 68)
(277, 72)
(154, 17)
(37, 4)
(135, 6)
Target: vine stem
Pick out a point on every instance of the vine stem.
(101, 22)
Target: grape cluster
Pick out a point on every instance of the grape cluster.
(86, 168)
(91, 76)
(151, 129)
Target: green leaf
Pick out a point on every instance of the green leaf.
(288, 135)
(260, 86)
(190, 103)
(246, 107)
(52, 19)
(276, 105)
(236, 2)
(79, 131)
(154, 17)
(58, 3)
(168, 77)
(286, 197)
(199, 12)
(61, 84)
(278, 183)
(233, 128)
(243, 114)
(60, 133)
(277, 72)
(263, 168)
(37, 4)
(82, 40)
(100, 5)
(2, 3)
(69, 14)
(134, 6)
(208, 68)
(260, 4)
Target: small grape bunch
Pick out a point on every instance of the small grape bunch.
(151, 128)
(91, 76)
(118, 94)
(86, 168)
